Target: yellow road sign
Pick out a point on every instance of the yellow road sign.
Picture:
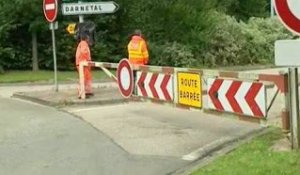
(189, 89)
(71, 28)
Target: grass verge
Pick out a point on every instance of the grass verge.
(45, 76)
(256, 158)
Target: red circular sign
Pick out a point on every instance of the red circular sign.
(288, 18)
(125, 78)
(50, 10)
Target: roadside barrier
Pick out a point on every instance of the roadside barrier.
(244, 94)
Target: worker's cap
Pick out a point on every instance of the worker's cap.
(137, 32)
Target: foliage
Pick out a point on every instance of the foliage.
(174, 54)
(238, 43)
(179, 32)
(261, 35)
(224, 42)
(243, 10)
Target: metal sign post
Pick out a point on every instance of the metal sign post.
(50, 8)
(52, 27)
(287, 11)
(294, 106)
(81, 17)
(272, 8)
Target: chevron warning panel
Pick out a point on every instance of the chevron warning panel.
(246, 98)
(155, 85)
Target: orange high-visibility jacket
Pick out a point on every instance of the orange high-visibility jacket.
(138, 51)
(83, 52)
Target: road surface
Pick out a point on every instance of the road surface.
(133, 138)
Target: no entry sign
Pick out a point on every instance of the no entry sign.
(125, 78)
(50, 8)
(289, 14)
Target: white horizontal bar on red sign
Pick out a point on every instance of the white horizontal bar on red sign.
(50, 6)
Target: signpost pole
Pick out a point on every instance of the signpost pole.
(54, 56)
(272, 8)
(81, 17)
(291, 21)
(294, 107)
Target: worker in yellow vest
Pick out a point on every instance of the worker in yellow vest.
(137, 49)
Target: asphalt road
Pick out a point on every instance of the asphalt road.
(40, 140)
(133, 138)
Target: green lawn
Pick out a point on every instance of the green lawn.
(45, 76)
(256, 158)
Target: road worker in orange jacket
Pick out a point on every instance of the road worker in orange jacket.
(83, 54)
(137, 49)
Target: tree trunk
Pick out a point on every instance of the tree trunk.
(35, 60)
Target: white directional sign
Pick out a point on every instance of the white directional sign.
(86, 8)
(287, 53)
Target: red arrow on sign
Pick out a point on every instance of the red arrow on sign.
(287, 17)
(152, 85)
(213, 92)
(141, 84)
(250, 99)
(231, 96)
(247, 98)
(164, 86)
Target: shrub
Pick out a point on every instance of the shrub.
(261, 34)
(171, 54)
(238, 43)
(225, 42)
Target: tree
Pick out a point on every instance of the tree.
(180, 28)
(25, 22)
(244, 9)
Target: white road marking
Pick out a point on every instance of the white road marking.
(84, 109)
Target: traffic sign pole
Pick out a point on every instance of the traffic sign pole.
(50, 8)
(294, 107)
(54, 56)
(81, 17)
(272, 8)
(291, 21)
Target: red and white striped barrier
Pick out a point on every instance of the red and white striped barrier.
(155, 85)
(246, 98)
(236, 100)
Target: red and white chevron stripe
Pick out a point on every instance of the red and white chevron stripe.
(247, 98)
(155, 85)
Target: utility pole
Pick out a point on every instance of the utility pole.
(81, 17)
(272, 8)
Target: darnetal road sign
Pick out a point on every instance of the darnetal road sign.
(86, 8)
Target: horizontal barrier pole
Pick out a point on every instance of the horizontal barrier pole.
(108, 73)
